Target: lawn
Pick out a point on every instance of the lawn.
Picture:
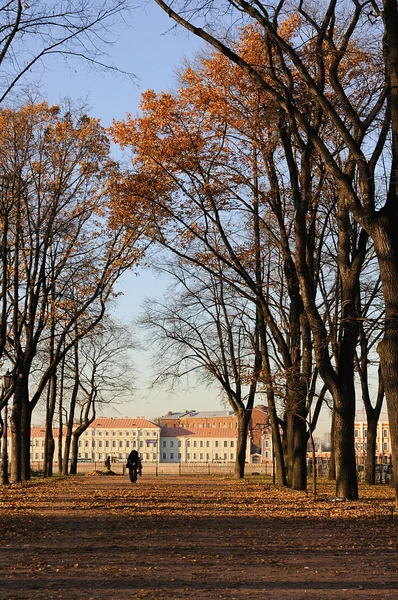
(194, 537)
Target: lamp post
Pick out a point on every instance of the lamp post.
(6, 384)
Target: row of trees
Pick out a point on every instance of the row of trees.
(60, 262)
(60, 258)
(273, 172)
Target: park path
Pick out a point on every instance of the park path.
(98, 537)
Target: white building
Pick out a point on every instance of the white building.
(107, 437)
(205, 445)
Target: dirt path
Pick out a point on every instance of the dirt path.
(185, 537)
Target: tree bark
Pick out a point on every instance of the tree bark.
(370, 461)
(243, 417)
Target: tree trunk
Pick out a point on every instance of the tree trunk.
(243, 424)
(15, 425)
(386, 246)
(49, 438)
(370, 464)
(74, 454)
(296, 436)
(344, 449)
(4, 454)
(332, 462)
(72, 406)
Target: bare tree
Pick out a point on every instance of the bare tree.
(31, 32)
(206, 330)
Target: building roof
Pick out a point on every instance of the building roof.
(38, 432)
(205, 432)
(114, 423)
(175, 432)
(209, 414)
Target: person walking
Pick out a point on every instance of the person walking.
(134, 465)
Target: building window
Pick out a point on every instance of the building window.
(385, 433)
(231, 456)
(179, 443)
(164, 455)
(154, 456)
(225, 444)
(365, 433)
(171, 456)
(188, 456)
(194, 444)
(171, 444)
(216, 443)
(164, 443)
(113, 443)
(141, 444)
(120, 444)
(194, 456)
(127, 444)
(100, 444)
(232, 444)
(188, 443)
(201, 456)
(201, 444)
(207, 457)
(207, 444)
(179, 455)
(147, 456)
(385, 446)
(356, 433)
(107, 443)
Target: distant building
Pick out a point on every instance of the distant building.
(107, 437)
(383, 441)
(199, 444)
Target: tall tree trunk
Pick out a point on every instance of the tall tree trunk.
(15, 425)
(332, 462)
(71, 417)
(74, 454)
(370, 464)
(296, 435)
(243, 424)
(49, 438)
(277, 448)
(385, 236)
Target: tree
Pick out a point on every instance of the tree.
(324, 39)
(205, 329)
(61, 258)
(229, 178)
(100, 372)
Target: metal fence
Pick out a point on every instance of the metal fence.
(167, 468)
